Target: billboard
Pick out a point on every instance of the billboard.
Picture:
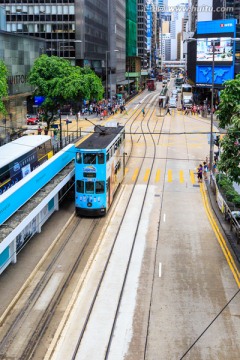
(215, 36)
(223, 49)
(149, 27)
(217, 27)
(221, 74)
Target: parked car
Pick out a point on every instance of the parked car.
(32, 121)
(31, 116)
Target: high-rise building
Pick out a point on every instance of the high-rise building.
(142, 31)
(83, 31)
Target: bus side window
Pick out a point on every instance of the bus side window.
(79, 158)
(101, 158)
(5, 173)
(80, 186)
(48, 146)
(41, 151)
(107, 157)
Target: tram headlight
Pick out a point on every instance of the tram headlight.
(89, 204)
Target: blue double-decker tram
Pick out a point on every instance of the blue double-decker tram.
(99, 169)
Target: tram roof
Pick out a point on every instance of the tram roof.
(101, 138)
(19, 147)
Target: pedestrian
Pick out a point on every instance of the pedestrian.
(168, 110)
(55, 132)
(205, 170)
(39, 130)
(143, 112)
(199, 173)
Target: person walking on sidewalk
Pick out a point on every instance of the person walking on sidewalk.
(168, 111)
(199, 173)
(39, 130)
(205, 170)
(143, 112)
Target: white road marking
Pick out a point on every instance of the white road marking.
(164, 217)
(160, 270)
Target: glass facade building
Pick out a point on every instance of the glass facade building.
(18, 53)
(76, 30)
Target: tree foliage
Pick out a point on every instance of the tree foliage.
(230, 155)
(3, 86)
(229, 118)
(229, 108)
(60, 83)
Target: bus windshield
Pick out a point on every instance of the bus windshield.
(186, 88)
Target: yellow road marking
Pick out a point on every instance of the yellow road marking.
(192, 177)
(135, 174)
(157, 178)
(220, 238)
(181, 176)
(126, 170)
(169, 175)
(146, 176)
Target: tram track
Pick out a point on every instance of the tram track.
(21, 316)
(77, 348)
(42, 323)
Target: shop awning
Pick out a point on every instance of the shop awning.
(125, 82)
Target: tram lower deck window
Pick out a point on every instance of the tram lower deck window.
(80, 186)
(89, 187)
(99, 187)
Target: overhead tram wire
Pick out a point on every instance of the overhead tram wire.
(210, 324)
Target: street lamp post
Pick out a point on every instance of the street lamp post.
(60, 122)
(212, 98)
(106, 69)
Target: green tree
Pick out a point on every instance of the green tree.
(3, 86)
(229, 118)
(60, 83)
(229, 107)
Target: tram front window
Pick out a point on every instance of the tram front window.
(89, 158)
(79, 158)
(99, 187)
(89, 187)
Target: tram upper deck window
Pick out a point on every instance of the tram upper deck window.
(99, 187)
(89, 189)
(79, 158)
(89, 158)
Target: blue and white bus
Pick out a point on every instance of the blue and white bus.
(99, 169)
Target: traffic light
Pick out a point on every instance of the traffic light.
(216, 141)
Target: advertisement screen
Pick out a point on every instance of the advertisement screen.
(223, 49)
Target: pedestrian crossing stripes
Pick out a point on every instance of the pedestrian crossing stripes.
(181, 176)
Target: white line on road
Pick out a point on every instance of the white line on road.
(160, 270)
(164, 217)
